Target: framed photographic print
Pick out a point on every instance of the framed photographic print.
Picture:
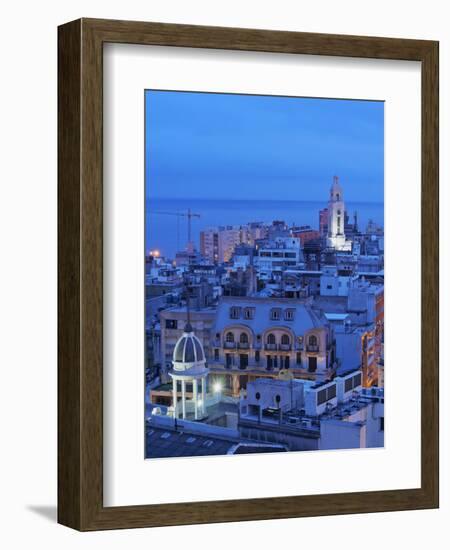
(248, 234)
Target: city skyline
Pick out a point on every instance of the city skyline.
(198, 143)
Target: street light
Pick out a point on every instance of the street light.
(217, 387)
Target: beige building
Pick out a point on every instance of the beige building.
(257, 337)
(217, 243)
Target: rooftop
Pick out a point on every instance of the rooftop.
(166, 443)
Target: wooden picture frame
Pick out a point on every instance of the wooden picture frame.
(80, 272)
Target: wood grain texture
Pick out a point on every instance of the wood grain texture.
(80, 242)
(69, 248)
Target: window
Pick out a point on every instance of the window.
(216, 354)
(312, 341)
(271, 338)
(258, 395)
(243, 360)
(312, 364)
(229, 337)
(289, 314)
(249, 312)
(257, 356)
(299, 358)
(171, 323)
(382, 424)
(275, 314)
(285, 340)
(235, 312)
(243, 339)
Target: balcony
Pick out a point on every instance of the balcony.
(313, 349)
(243, 345)
(229, 345)
(270, 347)
(285, 347)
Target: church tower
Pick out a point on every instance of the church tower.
(336, 218)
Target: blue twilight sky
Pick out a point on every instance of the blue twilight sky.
(213, 146)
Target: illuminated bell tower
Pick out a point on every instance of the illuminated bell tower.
(336, 218)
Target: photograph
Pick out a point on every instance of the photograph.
(264, 274)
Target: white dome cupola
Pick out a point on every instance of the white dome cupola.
(188, 352)
(189, 367)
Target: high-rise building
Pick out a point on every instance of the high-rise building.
(209, 244)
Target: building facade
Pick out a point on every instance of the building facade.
(255, 337)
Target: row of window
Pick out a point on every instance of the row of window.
(272, 361)
(270, 339)
(276, 313)
(268, 254)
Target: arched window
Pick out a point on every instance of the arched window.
(243, 339)
(285, 340)
(337, 196)
(271, 338)
(229, 337)
(312, 341)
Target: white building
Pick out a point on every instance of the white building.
(334, 284)
(336, 219)
(278, 255)
(303, 415)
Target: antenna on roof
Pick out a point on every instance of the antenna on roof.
(188, 327)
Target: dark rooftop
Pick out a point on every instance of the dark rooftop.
(162, 443)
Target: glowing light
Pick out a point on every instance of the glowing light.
(199, 402)
(155, 253)
(217, 387)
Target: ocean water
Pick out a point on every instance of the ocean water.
(168, 233)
